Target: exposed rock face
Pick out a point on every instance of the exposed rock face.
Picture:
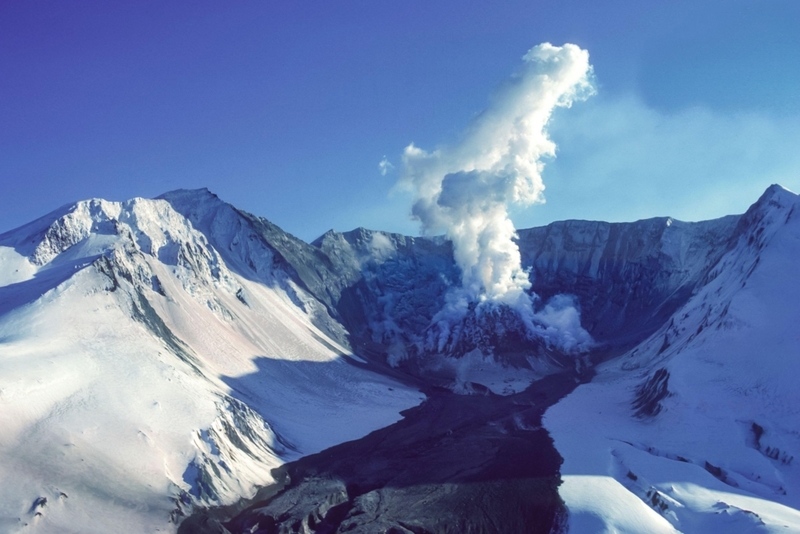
(398, 284)
(627, 279)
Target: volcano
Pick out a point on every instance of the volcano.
(178, 364)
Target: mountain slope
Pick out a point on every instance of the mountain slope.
(140, 375)
(695, 429)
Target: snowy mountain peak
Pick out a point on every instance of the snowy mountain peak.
(778, 189)
(201, 202)
(169, 361)
(98, 228)
(775, 198)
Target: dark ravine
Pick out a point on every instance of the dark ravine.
(454, 464)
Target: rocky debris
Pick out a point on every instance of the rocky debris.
(649, 394)
(454, 464)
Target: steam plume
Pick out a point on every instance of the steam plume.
(466, 190)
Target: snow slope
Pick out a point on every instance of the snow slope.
(696, 429)
(143, 372)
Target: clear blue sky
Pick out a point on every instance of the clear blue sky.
(286, 108)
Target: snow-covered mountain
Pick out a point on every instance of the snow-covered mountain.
(696, 429)
(151, 361)
(161, 355)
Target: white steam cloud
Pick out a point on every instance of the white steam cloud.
(466, 190)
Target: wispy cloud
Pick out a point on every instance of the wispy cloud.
(642, 162)
(385, 166)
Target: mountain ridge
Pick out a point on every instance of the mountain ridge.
(264, 345)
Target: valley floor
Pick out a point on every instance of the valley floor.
(454, 464)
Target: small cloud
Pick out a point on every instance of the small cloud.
(385, 166)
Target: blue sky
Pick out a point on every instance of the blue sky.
(286, 109)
